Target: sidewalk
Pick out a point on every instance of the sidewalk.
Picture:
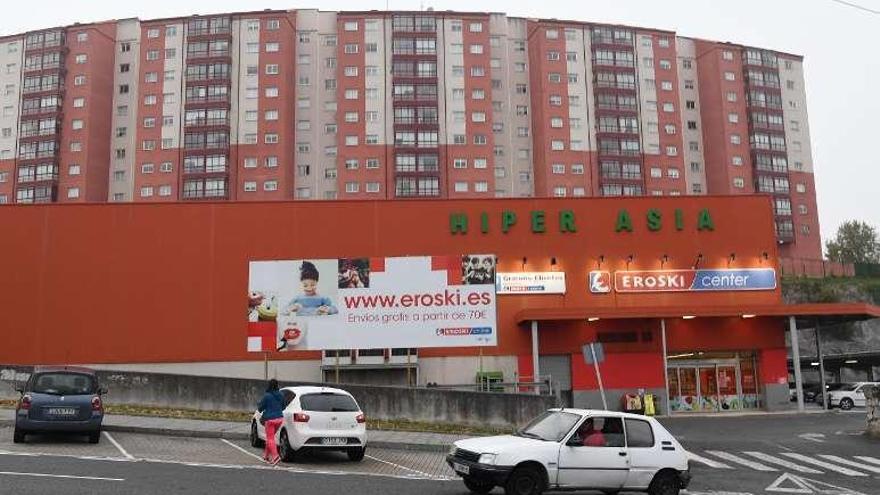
(383, 439)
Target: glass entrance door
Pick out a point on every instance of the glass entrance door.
(708, 388)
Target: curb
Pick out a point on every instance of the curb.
(233, 435)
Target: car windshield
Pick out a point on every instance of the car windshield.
(849, 387)
(64, 383)
(328, 402)
(551, 426)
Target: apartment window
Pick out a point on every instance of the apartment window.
(72, 192)
(559, 191)
(351, 71)
(665, 64)
(166, 167)
(270, 185)
(125, 47)
(351, 140)
(692, 124)
(304, 58)
(476, 27)
(697, 188)
(735, 139)
(330, 128)
(79, 102)
(153, 33)
(146, 191)
(149, 122)
(459, 163)
(304, 38)
(270, 138)
(556, 122)
(522, 132)
(480, 163)
(800, 187)
(555, 100)
(170, 53)
(668, 107)
(739, 183)
(736, 161)
(150, 100)
(350, 48)
(272, 47)
(733, 118)
(272, 92)
(270, 115)
(352, 187)
(73, 170)
(478, 116)
(727, 55)
(673, 173)
(461, 187)
(729, 76)
(554, 77)
(558, 168)
(250, 186)
(480, 139)
(250, 162)
(557, 145)
(731, 96)
(271, 69)
(669, 128)
(351, 94)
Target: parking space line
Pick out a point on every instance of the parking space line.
(118, 447)
(243, 451)
(398, 466)
(46, 475)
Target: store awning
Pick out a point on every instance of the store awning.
(807, 315)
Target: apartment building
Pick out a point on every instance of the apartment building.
(313, 105)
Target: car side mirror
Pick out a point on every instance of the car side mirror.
(102, 390)
(575, 441)
(19, 389)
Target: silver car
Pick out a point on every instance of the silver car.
(60, 399)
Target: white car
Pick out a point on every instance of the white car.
(565, 449)
(316, 418)
(849, 396)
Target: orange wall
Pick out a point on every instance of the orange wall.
(167, 282)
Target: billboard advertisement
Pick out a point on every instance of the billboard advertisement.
(527, 283)
(700, 280)
(370, 303)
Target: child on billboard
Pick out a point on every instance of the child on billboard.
(310, 303)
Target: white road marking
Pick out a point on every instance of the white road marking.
(69, 476)
(398, 466)
(872, 460)
(708, 462)
(782, 462)
(118, 447)
(847, 462)
(826, 465)
(815, 437)
(727, 456)
(799, 484)
(236, 447)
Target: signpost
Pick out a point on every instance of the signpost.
(594, 354)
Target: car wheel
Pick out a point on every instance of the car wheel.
(95, 436)
(286, 452)
(524, 480)
(18, 436)
(478, 487)
(256, 442)
(356, 455)
(846, 403)
(665, 483)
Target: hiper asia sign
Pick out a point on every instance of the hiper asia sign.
(528, 283)
(368, 303)
(701, 280)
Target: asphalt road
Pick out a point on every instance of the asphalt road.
(757, 455)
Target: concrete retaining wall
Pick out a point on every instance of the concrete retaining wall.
(239, 394)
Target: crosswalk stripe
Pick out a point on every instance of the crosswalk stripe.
(826, 465)
(782, 462)
(872, 460)
(708, 462)
(727, 456)
(847, 462)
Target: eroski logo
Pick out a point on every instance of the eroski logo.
(600, 282)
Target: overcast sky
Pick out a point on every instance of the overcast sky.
(839, 43)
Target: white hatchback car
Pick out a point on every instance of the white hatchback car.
(316, 418)
(565, 449)
(849, 396)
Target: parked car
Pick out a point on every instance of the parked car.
(60, 399)
(565, 449)
(849, 396)
(316, 418)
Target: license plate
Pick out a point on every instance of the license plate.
(334, 441)
(62, 411)
(461, 468)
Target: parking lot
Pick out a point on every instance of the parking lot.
(215, 451)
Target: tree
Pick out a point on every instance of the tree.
(855, 242)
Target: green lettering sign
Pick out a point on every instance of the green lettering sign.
(704, 221)
(458, 223)
(538, 222)
(566, 221)
(484, 222)
(679, 219)
(654, 218)
(624, 222)
(508, 219)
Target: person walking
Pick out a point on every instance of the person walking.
(271, 407)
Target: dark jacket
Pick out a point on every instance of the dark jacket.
(271, 405)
